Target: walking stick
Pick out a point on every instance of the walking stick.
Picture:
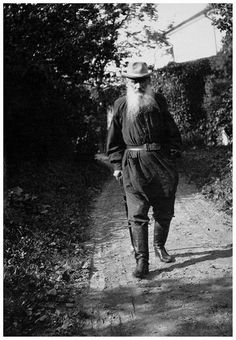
(126, 210)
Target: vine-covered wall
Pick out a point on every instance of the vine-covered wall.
(200, 98)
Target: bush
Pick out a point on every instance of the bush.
(41, 76)
(218, 105)
(199, 97)
(47, 220)
(211, 170)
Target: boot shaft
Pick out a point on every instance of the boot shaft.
(140, 240)
(160, 234)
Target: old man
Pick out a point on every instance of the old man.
(143, 142)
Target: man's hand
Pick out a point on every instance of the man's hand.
(118, 175)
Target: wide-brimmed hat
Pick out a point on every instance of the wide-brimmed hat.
(136, 70)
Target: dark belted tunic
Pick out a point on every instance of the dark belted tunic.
(152, 173)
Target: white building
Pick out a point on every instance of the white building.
(193, 38)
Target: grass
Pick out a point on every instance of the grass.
(46, 222)
(211, 170)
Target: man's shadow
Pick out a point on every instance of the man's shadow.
(205, 256)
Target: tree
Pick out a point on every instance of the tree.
(218, 98)
(222, 16)
(72, 40)
(138, 32)
(50, 50)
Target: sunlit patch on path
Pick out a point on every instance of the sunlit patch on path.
(190, 297)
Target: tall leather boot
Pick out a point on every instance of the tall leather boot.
(140, 244)
(159, 240)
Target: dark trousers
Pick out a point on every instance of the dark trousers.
(139, 205)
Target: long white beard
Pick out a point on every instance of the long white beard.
(137, 101)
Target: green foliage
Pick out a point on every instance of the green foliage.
(218, 99)
(138, 32)
(218, 105)
(211, 170)
(74, 40)
(52, 53)
(55, 57)
(47, 217)
(183, 86)
(224, 16)
(199, 94)
(83, 120)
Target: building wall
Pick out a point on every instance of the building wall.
(196, 39)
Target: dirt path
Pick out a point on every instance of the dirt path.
(190, 297)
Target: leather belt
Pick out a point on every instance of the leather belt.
(147, 147)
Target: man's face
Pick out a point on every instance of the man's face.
(139, 96)
(138, 85)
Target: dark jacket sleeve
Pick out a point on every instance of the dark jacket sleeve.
(115, 142)
(172, 137)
